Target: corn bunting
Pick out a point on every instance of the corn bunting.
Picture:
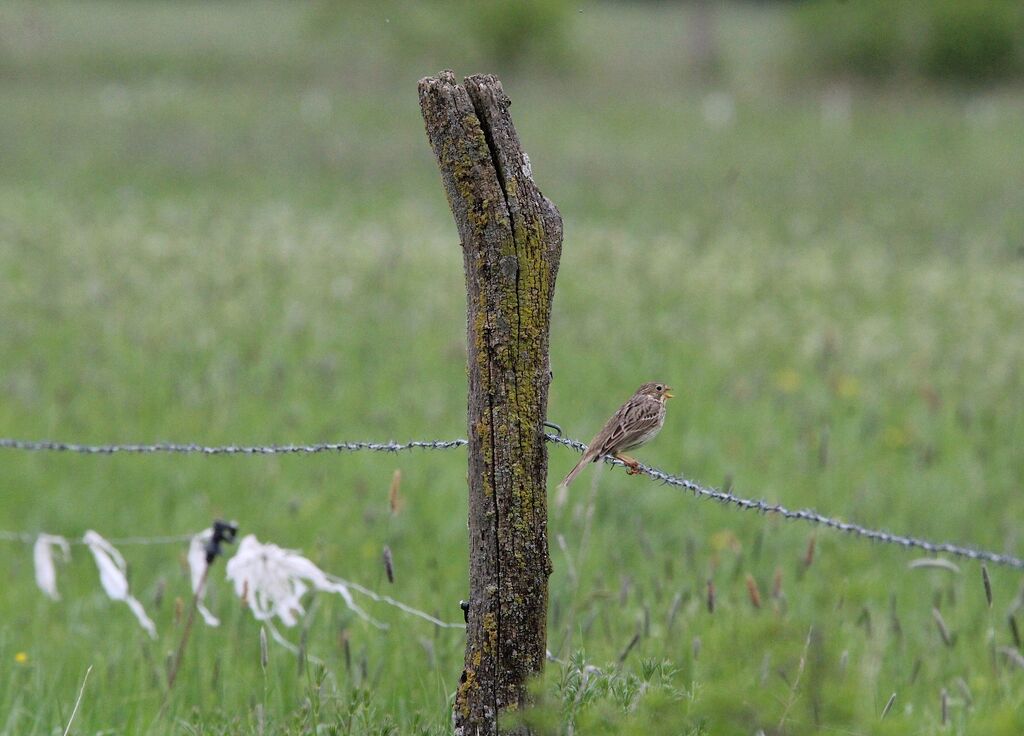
(636, 422)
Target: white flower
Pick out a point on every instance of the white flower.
(112, 569)
(719, 109)
(197, 567)
(42, 555)
(273, 580)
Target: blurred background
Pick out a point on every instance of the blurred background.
(221, 222)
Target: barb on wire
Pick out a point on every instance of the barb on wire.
(185, 449)
(807, 515)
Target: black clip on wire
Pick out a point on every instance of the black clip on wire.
(223, 532)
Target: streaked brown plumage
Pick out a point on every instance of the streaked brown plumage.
(636, 422)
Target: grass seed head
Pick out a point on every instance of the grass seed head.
(264, 654)
(389, 566)
(809, 554)
(395, 500)
(940, 623)
(753, 591)
(888, 706)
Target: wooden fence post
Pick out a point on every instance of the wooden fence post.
(511, 243)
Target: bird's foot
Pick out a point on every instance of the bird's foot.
(632, 466)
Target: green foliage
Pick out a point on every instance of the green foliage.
(578, 696)
(958, 40)
(487, 35)
(518, 32)
(975, 41)
(864, 38)
(219, 226)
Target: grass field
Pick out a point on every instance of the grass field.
(221, 222)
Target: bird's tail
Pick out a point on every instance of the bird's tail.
(587, 458)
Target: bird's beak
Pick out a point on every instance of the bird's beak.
(669, 394)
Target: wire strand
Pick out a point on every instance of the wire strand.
(166, 447)
(806, 515)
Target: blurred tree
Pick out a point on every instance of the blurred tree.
(705, 55)
(492, 35)
(977, 40)
(959, 40)
(513, 31)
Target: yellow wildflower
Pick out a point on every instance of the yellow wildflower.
(725, 539)
(21, 657)
(896, 438)
(847, 387)
(787, 380)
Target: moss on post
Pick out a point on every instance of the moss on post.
(511, 242)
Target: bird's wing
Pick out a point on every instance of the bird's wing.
(631, 423)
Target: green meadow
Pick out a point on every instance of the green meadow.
(221, 223)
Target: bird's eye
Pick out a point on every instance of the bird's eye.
(659, 387)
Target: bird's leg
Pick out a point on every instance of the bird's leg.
(632, 466)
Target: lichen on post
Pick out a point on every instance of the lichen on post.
(511, 237)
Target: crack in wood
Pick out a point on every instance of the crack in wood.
(511, 239)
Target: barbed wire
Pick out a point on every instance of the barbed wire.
(806, 515)
(167, 447)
